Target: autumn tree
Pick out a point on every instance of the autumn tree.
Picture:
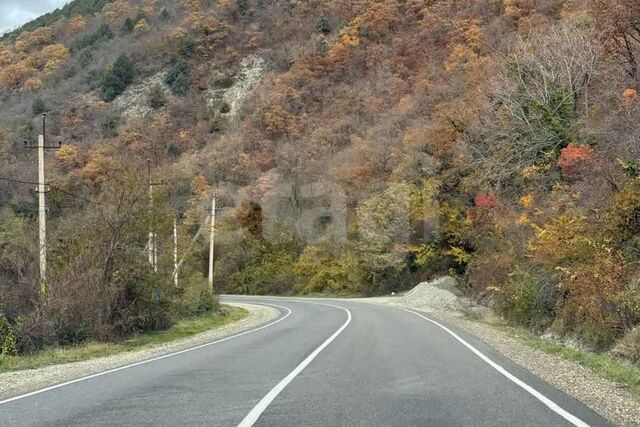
(76, 25)
(540, 91)
(619, 27)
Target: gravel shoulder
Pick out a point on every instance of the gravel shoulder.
(605, 397)
(21, 382)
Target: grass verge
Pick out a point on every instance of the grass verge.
(184, 328)
(602, 364)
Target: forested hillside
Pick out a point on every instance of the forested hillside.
(354, 147)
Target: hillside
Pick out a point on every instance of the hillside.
(354, 147)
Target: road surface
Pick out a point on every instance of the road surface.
(321, 363)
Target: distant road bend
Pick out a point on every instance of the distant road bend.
(321, 363)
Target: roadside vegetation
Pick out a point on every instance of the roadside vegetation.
(354, 147)
(182, 329)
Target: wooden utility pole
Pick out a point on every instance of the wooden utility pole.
(212, 240)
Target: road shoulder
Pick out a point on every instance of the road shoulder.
(608, 398)
(20, 382)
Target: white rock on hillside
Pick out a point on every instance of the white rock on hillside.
(252, 69)
(133, 102)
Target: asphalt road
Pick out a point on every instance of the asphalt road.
(344, 364)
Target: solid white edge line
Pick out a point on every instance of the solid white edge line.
(545, 400)
(110, 371)
(261, 406)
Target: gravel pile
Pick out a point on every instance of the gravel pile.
(435, 296)
(20, 382)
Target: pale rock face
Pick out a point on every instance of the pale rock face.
(134, 100)
(251, 72)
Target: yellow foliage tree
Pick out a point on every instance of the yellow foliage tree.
(199, 186)
(32, 84)
(37, 38)
(68, 157)
(142, 26)
(53, 56)
(12, 76)
(76, 24)
(6, 56)
(562, 243)
(192, 4)
(116, 10)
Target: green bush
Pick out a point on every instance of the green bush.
(38, 106)
(270, 274)
(117, 78)
(177, 77)
(629, 347)
(164, 15)
(336, 276)
(196, 297)
(323, 25)
(9, 346)
(127, 26)
(156, 97)
(527, 300)
(102, 33)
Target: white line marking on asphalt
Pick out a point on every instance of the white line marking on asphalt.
(535, 393)
(110, 371)
(255, 413)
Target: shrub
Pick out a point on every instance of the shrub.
(270, 274)
(9, 345)
(119, 76)
(624, 212)
(249, 215)
(127, 26)
(225, 108)
(527, 300)
(562, 242)
(629, 347)
(593, 301)
(38, 106)
(319, 271)
(177, 77)
(164, 15)
(323, 25)
(431, 259)
(488, 272)
(156, 97)
(242, 6)
(86, 58)
(102, 33)
(575, 158)
(109, 124)
(196, 297)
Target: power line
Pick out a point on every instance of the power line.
(17, 181)
(53, 187)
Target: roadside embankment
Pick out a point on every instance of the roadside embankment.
(25, 381)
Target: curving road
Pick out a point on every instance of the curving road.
(321, 363)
